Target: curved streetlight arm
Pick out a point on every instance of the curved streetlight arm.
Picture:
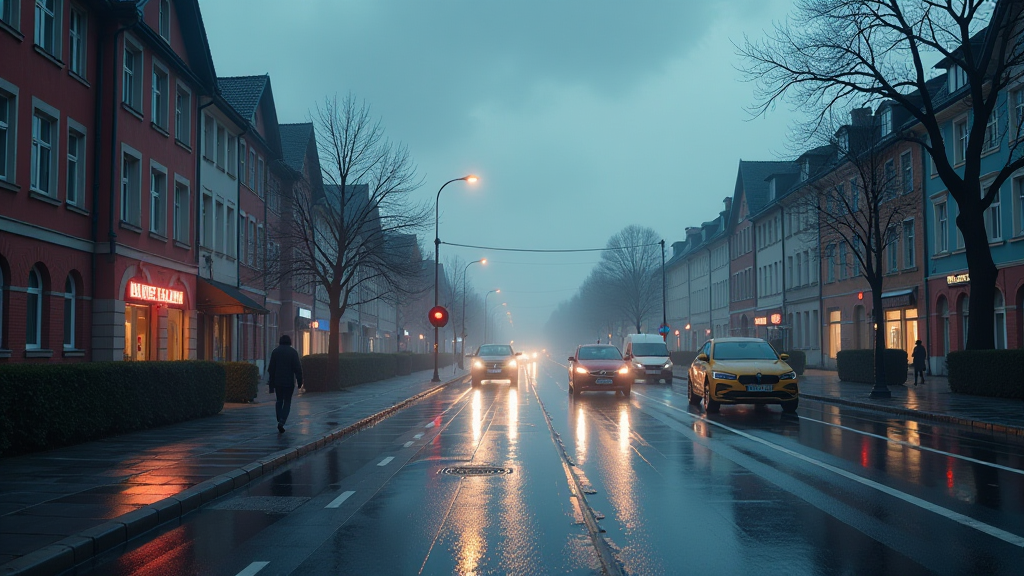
(465, 271)
(437, 246)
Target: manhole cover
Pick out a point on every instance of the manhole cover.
(475, 471)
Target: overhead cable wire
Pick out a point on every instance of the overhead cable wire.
(550, 251)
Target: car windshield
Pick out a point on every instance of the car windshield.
(600, 353)
(744, 351)
(495, 350)
(650, 349)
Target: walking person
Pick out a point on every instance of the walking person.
(920, 356)
(284, 370)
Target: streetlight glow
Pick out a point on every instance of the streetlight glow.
(484, 261)
(471, 179)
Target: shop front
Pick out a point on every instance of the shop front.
(155, 322)
(901, 319)
(768, 325)
(303, 331)
(221, 336)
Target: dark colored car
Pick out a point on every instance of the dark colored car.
(599, 367)
(494, 362)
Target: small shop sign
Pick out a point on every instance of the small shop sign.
(958, 279)
(139, 291)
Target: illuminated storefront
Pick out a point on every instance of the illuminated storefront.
(901, 328)
(146, 337)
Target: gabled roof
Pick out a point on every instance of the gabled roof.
(752, 179)
(295, 140)
(243, 93)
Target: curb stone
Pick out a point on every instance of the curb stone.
(937, 416)
(80, 547)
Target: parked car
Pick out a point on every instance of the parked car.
(494, 362)
(599, 367)
(741, 371)
(647, 354)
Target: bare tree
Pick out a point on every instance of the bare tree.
(630, 267)
(835, 53)
(350, 238)
(859, 202)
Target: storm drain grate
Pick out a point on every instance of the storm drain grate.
(475, 471)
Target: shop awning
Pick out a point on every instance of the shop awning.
(900, 298)
(220, 298)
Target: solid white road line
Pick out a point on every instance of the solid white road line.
(407, 444)
(945, 512)
(385, 461)
(418, 436)
(337, 501)
(430, 424)
(253, 568)
(917, 446)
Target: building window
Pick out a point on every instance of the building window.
(209, 137)
(886, 121)
(34, 313)
(941, 228)
(251, 246)
(222, 146)
(48, 26)
(1017, 107)
(831, 251)
(907, 166)
(1018, 205)
(165, 20)
(131, 189)
(231, 238)
(957, 78)
(992, 131)
(157, 202)
(259, 247)
(183, 116)
(909, 257)
(960, 136)
(835, 333)
(242, 219)
(208, 222)
(10, 13)
(857, 254)
(77, 26)
(159, 100)
(252, 169)
(1000, 320)
(260, 177)
(44, 173)
(241, 159)
(8, 121)
(218, 217)
(69, 314)
(993, 216)
(232, 161)
(76, 166)
(181, 212)
(892, 250)
(131, 83)
(891, 185)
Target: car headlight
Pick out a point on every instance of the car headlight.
(723, 376)
(788, 376)
(624, 369)
(582, 370)
(478, 364)
(512, 364)
(668, 365)
(638, 365)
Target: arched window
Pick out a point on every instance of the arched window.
(34, 316)
(999, 306)
(943, 311)
(69, 313)
(965, 306)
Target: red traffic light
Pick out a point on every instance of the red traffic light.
(438, 317)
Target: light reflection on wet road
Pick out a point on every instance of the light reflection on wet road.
(834, 491)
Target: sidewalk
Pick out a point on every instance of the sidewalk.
(931, 401)
(63, 506)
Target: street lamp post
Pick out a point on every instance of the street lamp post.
(664, 306)
(464, 295)
(437, 249)
(487, 311)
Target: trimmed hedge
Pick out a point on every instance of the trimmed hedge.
(242, 381)
(43, 406)
(998, 373)
(859, 366)
(797, 360)
(359, 368)
(682, 357)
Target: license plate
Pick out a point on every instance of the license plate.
(494, 370)
(654, 371)
(604, 380)
(759, 388)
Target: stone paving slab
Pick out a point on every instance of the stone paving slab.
(62, 506)
(932, 400)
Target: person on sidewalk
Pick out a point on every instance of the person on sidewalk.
(920, 356)
(284, 370)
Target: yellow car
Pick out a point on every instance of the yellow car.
(741, 371)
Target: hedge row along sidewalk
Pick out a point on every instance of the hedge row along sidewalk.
(62, 507)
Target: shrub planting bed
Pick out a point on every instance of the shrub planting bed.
(242, 381)
(356, 368)
(859, 366)
(998, 373)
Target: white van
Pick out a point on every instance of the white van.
(647, 354)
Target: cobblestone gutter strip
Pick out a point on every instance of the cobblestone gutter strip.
(937, 416)
(73, 550)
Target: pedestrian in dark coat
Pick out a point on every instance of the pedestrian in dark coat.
(284, 370)
(920, 356)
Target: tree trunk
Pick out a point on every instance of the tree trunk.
(334, 342)
(879, 346)
(981, 327)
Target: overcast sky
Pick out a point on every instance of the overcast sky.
(580, 117)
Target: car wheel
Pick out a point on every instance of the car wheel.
(475, 382)
(710, 406)
(668, 381)
(575, 391)
(690, 396)
(790, 406)
(627, 392)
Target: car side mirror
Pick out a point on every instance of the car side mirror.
(784, 357)
(702, 357)
(572, 358)
(626, 356)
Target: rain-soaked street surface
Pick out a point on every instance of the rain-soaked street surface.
(832, 491)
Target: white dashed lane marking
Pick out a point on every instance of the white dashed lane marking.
(253, 568)
(338, 501)
(385, 461)
(407, 444)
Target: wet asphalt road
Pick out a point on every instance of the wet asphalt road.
(833, 491)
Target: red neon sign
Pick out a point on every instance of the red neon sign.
(149, 293)
(760, 321)
(776, 319)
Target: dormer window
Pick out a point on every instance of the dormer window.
(886, 121)
(844, 141)
(805, 169)
(771, 189)
(957, 78)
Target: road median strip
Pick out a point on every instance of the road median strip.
(82, 546)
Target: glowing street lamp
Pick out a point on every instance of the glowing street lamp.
(487, 311)
(437, 249)
(482, 261)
